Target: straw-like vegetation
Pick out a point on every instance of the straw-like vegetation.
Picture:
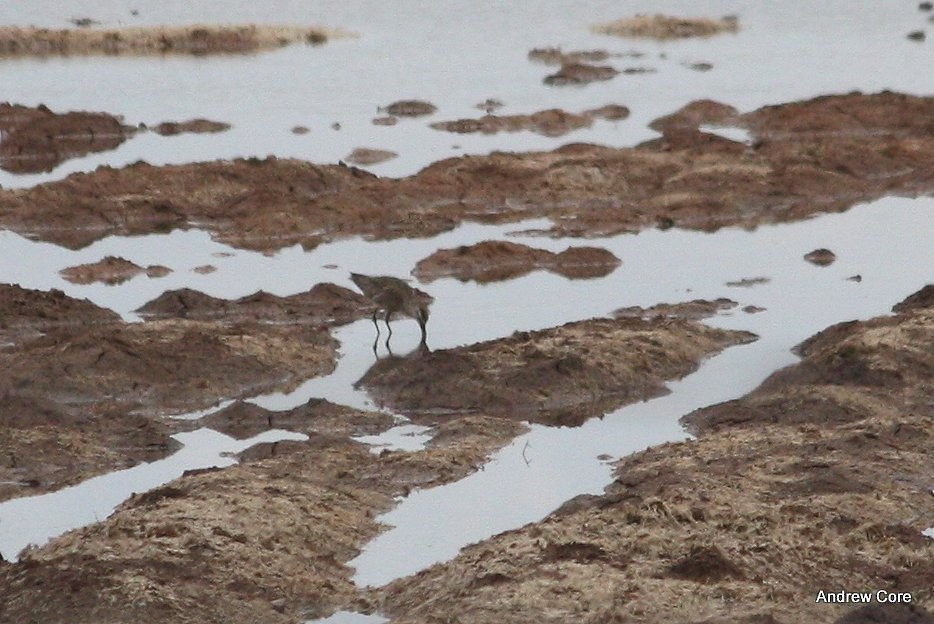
(194, 39)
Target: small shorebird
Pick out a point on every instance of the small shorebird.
(392, 295)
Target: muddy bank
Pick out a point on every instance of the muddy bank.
(818, 480)
(36, 140)
(821, 155)
(46, 445)
(559, 376)
(264, 541)
(492, 261)
(167, 365)
(82, 391)
(552, 122)
(197, 40)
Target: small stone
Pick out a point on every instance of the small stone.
(300, 130)
(917, 35)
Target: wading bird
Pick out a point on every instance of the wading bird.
(392, 295)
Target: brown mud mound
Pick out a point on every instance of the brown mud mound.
(666, 27)
(553, 122)
(745, 524)
(198, 40)
(36, 140)
(45, 446)
(409, 108)
(265, 541)
(192, 126)
(692, 310)
(822, 155)
(324, 304)
(26, 313)
(111, 270)
(369, 156)
(821, 257)
(580, 74)
(559, 376)
(171, 365)
(492, 261)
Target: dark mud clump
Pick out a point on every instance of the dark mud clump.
(692, 310)
(786, 491)
(580, 74)
(821, 257)
(560, 376)
(111, 270)
(821, 155)
(369, 156)
(492, 261)
(410, 108)
(192, 126)
(36, 140)
(552, 122)
(556, 56)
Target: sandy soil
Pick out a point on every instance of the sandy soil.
(818, 480)
(820, 155)
(492, 261)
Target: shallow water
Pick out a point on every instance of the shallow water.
(455, 57)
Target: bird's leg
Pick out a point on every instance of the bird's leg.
(375, 324)
(389, 327)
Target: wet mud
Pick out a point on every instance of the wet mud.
(84, 392)
(552, 122)
(820, 155)
(111, 270)
(493, 261)
(192, 126)
(560, 376)
(818, 479)
(37, 140)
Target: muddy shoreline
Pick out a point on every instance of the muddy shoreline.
(787, 490)
(821, 155)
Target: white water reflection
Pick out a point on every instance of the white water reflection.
(36, 519)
